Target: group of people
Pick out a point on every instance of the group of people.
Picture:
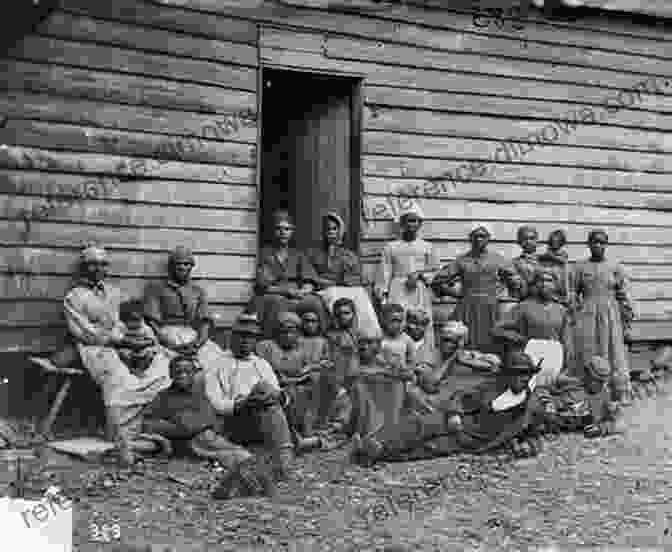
(320, 356)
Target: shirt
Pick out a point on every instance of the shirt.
(172, 304)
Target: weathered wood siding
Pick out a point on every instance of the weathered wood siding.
(102, 104)
(135, 127)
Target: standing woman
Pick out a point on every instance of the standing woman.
(339, 274)
(285, 277)
(480, 272)
(556, 259)
(604, 313)
(407, 268)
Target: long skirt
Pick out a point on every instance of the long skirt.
(479, 312)
(599, 332)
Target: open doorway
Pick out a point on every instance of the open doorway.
(310, 152)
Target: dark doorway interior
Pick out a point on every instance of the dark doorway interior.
(310, 152)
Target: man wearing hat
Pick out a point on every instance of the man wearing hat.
(91, 310)
(246, 394)
(177, 309)
(483, 418)
(572, 405)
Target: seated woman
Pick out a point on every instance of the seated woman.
(458, 369)
(339, 274)
(177, 310)
(489, 416)
(285, 278)
(574, 405)
(542, 327)
(91, 310)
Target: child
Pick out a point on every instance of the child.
(572, 405)
(314, 344)
(343, 346)
(425, 356)
(378, 388)
(527, 263)
(296, 374)
(556, 259)
(142, 344)
(397, 347)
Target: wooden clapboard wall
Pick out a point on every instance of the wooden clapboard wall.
(135, 127)
(97, 98)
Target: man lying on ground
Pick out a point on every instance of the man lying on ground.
(489, 416)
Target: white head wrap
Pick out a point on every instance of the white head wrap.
(338, 220)
(453, 328)
(413, 209)
(93, 253)
(481, 226)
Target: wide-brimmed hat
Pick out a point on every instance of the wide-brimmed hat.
(520, 364)
(247, 324)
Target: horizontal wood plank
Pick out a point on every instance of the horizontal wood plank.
(481, 102)
(18, 157)
(122, 88)
(109, 58)
(123, 263)
(107, 211)
(236, 126)
(508, 193)
(437, 209)
(54, 288)
(378, 143)
(162, 192)
(173, 18)
(443, 172)
(81, 28)
(573, 133)
(65, 234)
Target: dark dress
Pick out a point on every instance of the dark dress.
(293, 273)
(481, 277)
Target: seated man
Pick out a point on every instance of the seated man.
(489, 416)
(459, 369)
(182, 412)
(178, 312)
(245, 392)
(297, 376)
(572, 405)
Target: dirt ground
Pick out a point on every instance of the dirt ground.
(613, 491)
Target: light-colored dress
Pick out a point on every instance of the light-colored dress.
(604, 309)
(401, 258)
(92, 314)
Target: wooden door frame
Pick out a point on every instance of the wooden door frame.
(354, 224)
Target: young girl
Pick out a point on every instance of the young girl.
(407, 268)
(336, 377)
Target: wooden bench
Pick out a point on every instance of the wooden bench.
(51, 371)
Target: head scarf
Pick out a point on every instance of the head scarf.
(526, 228)
(247, 324)
(288, 318)
(391, 308)
(454, 328)
(597, 232)
(481, 226)
(598, 368)
(338, 220)
(413, 209)
(182, 254)
(93, 253)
